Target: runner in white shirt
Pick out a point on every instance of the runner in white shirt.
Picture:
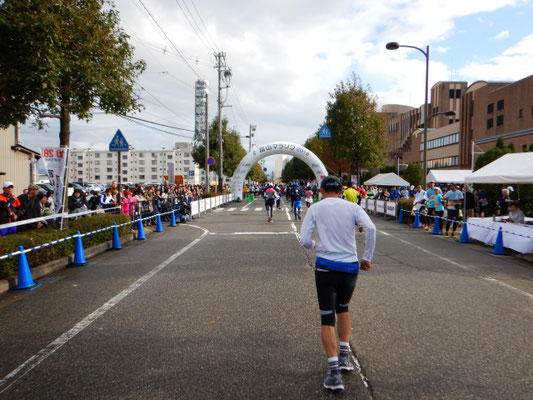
(336, 268)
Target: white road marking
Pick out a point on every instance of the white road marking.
(251, 233)
(232, 209)
(15, 375)
(245, 208)
(487, 278)
(258, 209)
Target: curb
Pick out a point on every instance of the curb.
(60, 263)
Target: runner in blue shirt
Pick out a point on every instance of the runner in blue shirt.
(296, 198)
(430, 194)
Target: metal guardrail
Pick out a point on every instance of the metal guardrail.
(222, 200)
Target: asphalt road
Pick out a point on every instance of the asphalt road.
(225, 308)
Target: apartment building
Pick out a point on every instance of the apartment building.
(18, 164)
(496, 109)
(136, 166)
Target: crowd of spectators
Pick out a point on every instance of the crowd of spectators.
(136, 201)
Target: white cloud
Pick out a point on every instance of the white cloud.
(502, 35)
(514, 63)
(285, 58)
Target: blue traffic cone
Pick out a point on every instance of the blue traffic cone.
(498, 246)
(24, 279)
(140, 231)
(116, 238)
(400, 217)
(172, 219)
(436, 226)
(79, 254)
(159, 225)
(417, 221)
(464, 235)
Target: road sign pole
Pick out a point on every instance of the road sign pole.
(119, 169)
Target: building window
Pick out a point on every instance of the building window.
(499, 120)
(141, 169)
(109, 155)
(457, 93)
(124, 164)
(490, 108)
(452, 92)
(80, 157)
(109, 170)
(125, 172)
(154, 154)
(186, 162)
(109, 177)
(154, 162)
(97, 155)
(186, 154)
(499, 105)
(80, 173)
(97, 162)
(490, 123)
(97, 170)
(521, 113)
(141, 177)
(524, 147)
(124, 156)
(154, 176)
(154, 169)
(141, 154)
(97, 177)
(141, 162)
(80, 165)
(169, 157)
(109, 162)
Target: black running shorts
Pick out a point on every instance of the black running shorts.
(334, 290)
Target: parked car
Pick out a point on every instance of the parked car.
(45, 188)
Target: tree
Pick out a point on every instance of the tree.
(59, 58)
(256, 174)
(296, 169)
(356, 126)
(231, 146)
(413, 174)
(493, 154)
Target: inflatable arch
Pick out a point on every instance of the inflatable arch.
(270, 149)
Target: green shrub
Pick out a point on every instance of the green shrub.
(405, 205)
(36, 237)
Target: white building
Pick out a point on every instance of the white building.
(279, 164)
(136, 166)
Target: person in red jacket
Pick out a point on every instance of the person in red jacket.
(9, 206)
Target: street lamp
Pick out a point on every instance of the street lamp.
(250, 136)
(396, 46)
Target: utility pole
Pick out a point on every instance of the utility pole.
(206, 144)
(224, 76)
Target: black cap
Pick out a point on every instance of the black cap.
(330, 182)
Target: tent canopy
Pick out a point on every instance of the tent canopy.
(510, 168)
(389, 179)
(448, 175)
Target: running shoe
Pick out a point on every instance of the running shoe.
(333, 382)
(345, 363)
(269, 219)
(427, 228)
(453, 236)
(299, 216)
(447, 235)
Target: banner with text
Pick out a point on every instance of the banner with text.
(55, 162)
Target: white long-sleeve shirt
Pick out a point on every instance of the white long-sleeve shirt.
(420, 197)
(336, 221)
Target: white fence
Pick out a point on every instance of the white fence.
(380, 206)
(201, 206)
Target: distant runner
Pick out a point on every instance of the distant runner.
(296, 198)
(270, 197)
(336, 269)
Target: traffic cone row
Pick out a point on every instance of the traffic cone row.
(79, 254)
(24, 279)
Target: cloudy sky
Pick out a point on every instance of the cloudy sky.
(287, 56)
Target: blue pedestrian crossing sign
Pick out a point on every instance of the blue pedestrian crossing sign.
(324, 132)
(119, 143)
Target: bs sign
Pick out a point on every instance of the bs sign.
(324, 132)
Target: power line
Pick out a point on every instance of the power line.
(205, 28)
(157, 123)
(196, 28)
(170, 41)
(167, 107)
(151, 127)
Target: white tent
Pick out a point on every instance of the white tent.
(390, 179)
(510, 168)
(448, 175)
